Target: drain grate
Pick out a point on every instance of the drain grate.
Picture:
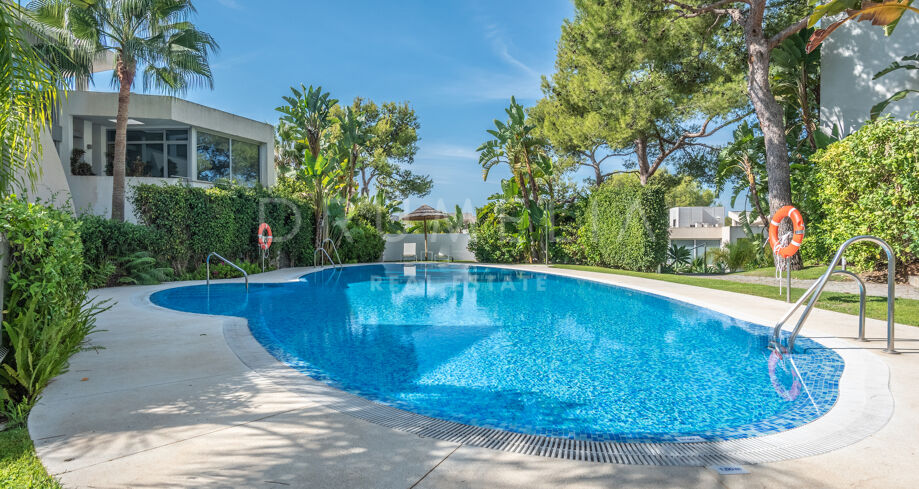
(867, 408)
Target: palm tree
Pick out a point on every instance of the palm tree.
(678, 255)
(154, 36)
(28, 92)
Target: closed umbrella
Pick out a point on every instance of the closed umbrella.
(424, 213)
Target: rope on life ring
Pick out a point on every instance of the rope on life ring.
(781, 246)
(264, 236)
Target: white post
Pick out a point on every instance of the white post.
(788, 271)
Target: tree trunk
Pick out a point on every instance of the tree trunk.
(641, 153)
(125, 81)
(771, 121)
(534, 253)
(350, 184)
(597, 173)
(533, 187)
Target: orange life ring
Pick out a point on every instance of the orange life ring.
(264, 236)
(797, 220)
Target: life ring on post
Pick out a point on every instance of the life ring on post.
(797, 220)
(264, 236)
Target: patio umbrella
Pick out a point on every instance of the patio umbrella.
(424, 213)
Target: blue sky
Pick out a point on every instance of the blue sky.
(456, 62)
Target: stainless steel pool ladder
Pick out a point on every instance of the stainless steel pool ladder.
(326, 253)
(817, 288)
(228, 262)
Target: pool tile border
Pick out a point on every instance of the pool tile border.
(863, 407)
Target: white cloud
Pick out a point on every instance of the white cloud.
(479, 86)
(447, 151)
(233, 4)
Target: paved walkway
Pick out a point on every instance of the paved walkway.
(903, 291)
(167, 403)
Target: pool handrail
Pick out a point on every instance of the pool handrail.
(817, 288)
(326, 253)
(207, 263)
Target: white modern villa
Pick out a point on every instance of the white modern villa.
(169, 140)
(702, 228)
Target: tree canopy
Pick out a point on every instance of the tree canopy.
(646, 86)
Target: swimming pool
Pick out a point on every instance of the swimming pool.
(529, 352)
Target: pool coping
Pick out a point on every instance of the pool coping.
(864, 405)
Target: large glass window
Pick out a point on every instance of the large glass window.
(152, 152)
(178, 160)
(245, 162)
(213, 157)
(224, 158)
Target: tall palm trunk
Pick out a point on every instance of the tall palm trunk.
(125, 81)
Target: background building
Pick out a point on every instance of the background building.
(170, 140)
(702, 228)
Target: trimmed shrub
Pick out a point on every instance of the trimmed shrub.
(868, 183)
(625, 226)
(362, 243)
(490, 244)
(48, 315)
(195, 221)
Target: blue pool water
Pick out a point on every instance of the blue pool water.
(529, 352)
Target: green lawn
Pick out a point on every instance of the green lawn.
(807, 273)
(906, 311)
(19, 466)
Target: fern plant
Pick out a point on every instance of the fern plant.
(41, 346)
(141, 268)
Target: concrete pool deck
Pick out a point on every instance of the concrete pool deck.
(168, 402)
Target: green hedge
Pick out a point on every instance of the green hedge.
(193, 222)
(868, 183)
(47, 315)
(625, 226)
(361, 244)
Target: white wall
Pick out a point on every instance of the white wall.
(450, 244)
(51, 185)
(93, 194)
(849, 59)
(691, 216)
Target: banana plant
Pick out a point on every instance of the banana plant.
(308, 113)
(515, 144)
(741, 164)
(321, 175)
(886, 13)
(906, 63)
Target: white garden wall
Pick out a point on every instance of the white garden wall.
(450, 244)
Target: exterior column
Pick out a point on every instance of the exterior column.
(192, 154)
(66, 142)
